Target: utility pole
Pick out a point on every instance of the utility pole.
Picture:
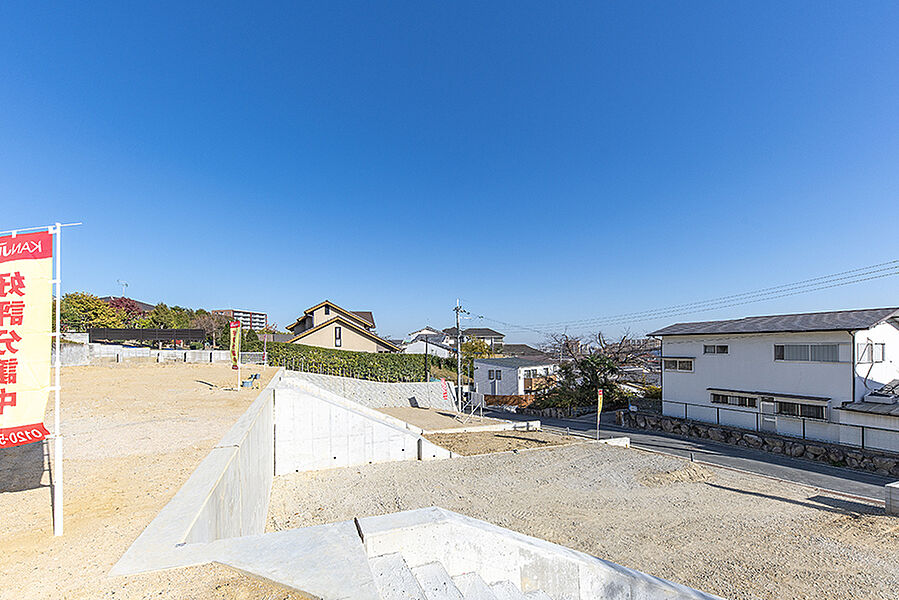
(427, 373)
(458, 310)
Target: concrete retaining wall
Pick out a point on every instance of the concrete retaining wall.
(376, 394)
(891, 498)
(71, 355)
(94, 353)
(317, 429)
(886, 463)
(226, 496)
(465, 545)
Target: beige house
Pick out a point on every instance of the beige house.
(327, 325)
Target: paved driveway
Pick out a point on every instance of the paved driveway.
(819, 475)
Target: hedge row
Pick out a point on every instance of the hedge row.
(360, 365)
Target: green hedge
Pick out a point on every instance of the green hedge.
(361, 365)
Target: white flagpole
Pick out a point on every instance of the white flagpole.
(57, 439)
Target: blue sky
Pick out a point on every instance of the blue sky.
(542, 161)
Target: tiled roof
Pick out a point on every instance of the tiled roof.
(841, 320)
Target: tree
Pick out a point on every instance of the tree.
(215, 327)
(79, 310)
(128, 310)
(591, 364)
(475, 348)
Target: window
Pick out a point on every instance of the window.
(807, 352)
(734, 400)
(678, 364)
(712, 349)
(337, 340)
(490, 374)
(499, 374)
(794, 409)
(871, 352)
(327, 309)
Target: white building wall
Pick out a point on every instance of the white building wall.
(871, 376)
(419, 348)
(749, 365)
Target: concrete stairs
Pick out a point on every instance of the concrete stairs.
(396, 581)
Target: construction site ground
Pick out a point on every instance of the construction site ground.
(133, 435)
(737, 535)
(484, 442)
(434, 419)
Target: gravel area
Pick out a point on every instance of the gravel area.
(133, 435)
(735, 535)
(484, 442)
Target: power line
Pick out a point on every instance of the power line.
(843, 278)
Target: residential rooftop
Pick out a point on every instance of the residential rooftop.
(839, 320)
(513, 362)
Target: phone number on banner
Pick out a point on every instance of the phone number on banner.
(15, 436)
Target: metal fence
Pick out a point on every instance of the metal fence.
(858, 436)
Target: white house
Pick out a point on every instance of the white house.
(509, 376)
(829, 376)
(422, 346)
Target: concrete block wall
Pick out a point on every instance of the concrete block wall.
(71, 355)
(891, 498)
(317, 429)
(376, 394)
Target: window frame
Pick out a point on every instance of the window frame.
(338, 336)
(801, 409)
(499, 375)
(808, 346)
(740, 400)
(677, 362)
(867, 353)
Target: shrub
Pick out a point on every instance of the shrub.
(361, 365)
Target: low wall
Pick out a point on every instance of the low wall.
(71, 355)
(226, 496)
(465, 545)
(375, 394)
(317, 429)
(95, 353)
(884, 463)
(891, 497)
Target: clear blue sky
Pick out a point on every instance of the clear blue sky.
(589, 158)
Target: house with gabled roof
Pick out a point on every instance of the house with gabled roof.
(328, 325)
(827, 376)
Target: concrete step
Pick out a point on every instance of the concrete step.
(436, 582)
(473, 587)
(537, 595)
(394, 578)
(506, 590)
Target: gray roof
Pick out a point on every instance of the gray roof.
(513, 363)
(840, 320)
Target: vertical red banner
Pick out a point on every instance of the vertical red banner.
(26, 270)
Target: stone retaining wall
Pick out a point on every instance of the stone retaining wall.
(843, 456)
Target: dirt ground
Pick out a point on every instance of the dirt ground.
(483, 442)
(432, 419)
(735, 535)
(133, 434)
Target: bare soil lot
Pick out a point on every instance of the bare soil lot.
(133, 434)
(484, 442)
(738, 536)
(432, 419)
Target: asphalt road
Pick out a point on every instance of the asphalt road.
(819, 475)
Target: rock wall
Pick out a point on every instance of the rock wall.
(843, 456)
